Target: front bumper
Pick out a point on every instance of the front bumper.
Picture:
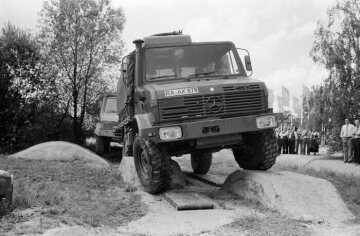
(211, 128)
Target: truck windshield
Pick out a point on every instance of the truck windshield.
(211, 60)
(110, 106)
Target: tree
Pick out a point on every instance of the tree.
(81, 40)
(337, 47)
(19, 82)
(27, 98)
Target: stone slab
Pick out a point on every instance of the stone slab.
(295, 195)
(184, 200)
(211, 179)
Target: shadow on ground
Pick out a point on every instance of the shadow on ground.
(114, 156)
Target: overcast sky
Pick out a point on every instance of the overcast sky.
(278, 33)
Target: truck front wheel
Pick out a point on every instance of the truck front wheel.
(153, 165)
(258, 152)
(201, 162)
(102, 145)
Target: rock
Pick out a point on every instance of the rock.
(295, 195)
(6, 191)
(178, 176)
(128, 171)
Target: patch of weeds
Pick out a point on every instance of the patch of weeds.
(270, 225)
(69, 193)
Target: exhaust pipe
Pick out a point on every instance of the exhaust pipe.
(138, 69)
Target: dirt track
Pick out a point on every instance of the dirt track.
(232, 215)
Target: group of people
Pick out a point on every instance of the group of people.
(350, 136)
(292, 140)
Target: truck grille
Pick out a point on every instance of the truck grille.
(224, 105)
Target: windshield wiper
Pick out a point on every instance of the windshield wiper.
(162, 76)
(207, 73)
(203, 73)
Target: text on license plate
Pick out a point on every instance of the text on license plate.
(180, 92)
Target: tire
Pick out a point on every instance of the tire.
(259, 151)
(153, 165)
(201, 162)
(102, 145)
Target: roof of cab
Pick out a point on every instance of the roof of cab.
(175, 37)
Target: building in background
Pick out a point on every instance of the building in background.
(285, 97)
(271, 98)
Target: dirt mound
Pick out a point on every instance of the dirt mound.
(295, 195)
(60, 151)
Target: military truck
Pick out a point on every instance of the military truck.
(105, 130)
(179, 97)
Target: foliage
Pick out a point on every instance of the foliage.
(25, 96)
(337, 47)
(81, 40)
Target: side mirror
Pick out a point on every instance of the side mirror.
(123, 68)
(100, 104)
(248, 63)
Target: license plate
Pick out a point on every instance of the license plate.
(266, 122)
(181, 92)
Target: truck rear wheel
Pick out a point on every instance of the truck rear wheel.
(102, 145)
(201, 162)
(153, 165)
(258, 152)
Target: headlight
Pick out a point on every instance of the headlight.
(266, 122)
(169, 133)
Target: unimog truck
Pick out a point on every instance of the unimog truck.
(105, 130)
(179, 97)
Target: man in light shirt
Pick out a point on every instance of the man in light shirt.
(346, 134)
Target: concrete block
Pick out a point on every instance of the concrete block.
(6, 190)
(291, 194)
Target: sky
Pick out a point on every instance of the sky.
(278, 33)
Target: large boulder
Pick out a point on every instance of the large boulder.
(6, 189)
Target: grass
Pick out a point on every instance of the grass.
(270, 225)
(69, 193)
(348, 186)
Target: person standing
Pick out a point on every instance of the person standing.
(357, 142)
(315, 142)
(304, 141)
(309, 141)
(278, 138)
(292, 137)
(346, 135)
(298, 140)
(284, 140)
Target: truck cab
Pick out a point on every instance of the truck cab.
(105, 130)
(180, 97)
